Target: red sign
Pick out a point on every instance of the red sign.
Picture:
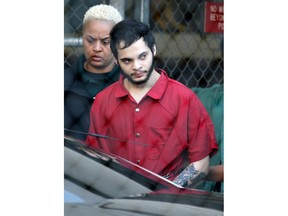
(214, 17)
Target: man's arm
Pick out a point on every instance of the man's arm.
(194, 173)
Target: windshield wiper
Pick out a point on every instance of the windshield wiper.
(105, 137)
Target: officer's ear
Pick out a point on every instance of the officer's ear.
(115, 60)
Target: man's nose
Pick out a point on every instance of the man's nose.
(137, 64)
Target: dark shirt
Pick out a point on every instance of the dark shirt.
(80, 89)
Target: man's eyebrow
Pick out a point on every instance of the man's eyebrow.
(125, 59)
(141, 54)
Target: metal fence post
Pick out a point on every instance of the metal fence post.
(120, 5)
(141, 11)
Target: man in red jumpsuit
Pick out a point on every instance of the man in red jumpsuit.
(158, 123)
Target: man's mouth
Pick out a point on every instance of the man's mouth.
(139, 74)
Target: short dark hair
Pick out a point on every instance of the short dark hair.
(129, 31)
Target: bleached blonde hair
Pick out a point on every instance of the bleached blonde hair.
(102, 12)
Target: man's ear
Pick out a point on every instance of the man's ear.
(154, 50)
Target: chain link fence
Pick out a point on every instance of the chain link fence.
(184, 50)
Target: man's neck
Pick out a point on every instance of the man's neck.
(139, 91)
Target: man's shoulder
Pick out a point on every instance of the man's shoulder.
(179, 88)
(108, 90)
(173, 84)
(106, 100)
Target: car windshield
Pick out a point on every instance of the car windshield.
(103, 173)
(93, 177)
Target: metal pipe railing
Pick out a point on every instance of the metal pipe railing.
(73, 41)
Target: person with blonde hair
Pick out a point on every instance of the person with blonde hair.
(93, 71)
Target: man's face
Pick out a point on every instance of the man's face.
(136, 62)
(96, 42)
